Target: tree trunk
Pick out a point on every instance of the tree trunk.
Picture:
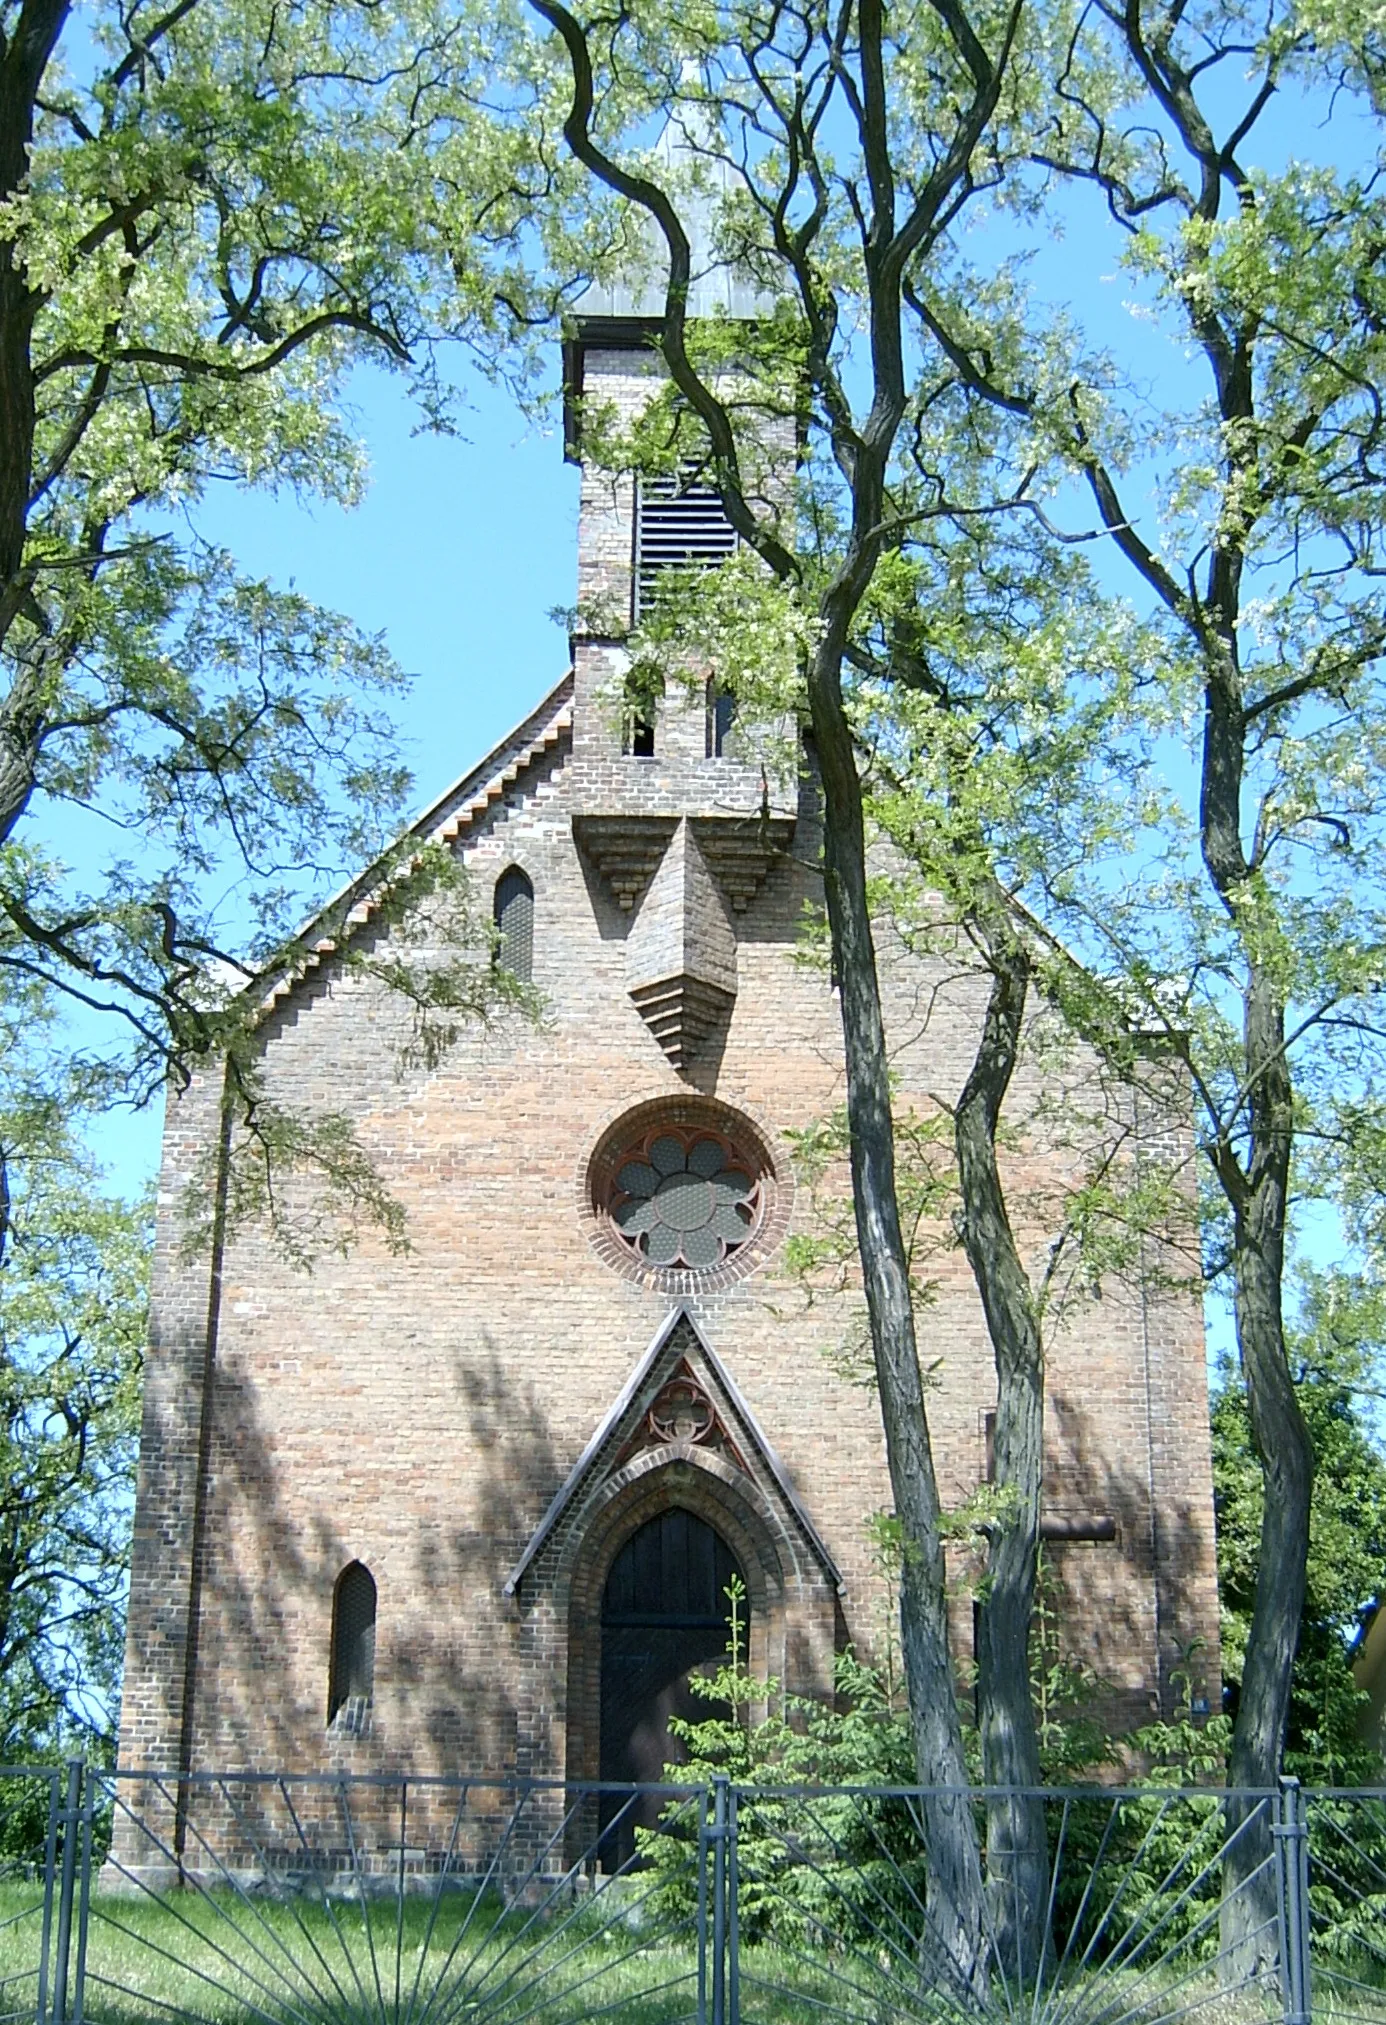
(955, 1897)
(1258, 1192)
(21, 735)
(25, 59)
(1017, 1853)
(1287, 1465)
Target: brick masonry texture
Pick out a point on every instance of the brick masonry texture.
(420, 1413)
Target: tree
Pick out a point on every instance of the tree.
(209, 213)
(887, 601)
(1246, 926)
(999, 738)
(73, 1279)
(768, 88)
(1001, 731)
(902, 599)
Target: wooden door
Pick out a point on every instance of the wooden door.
(664, 1615)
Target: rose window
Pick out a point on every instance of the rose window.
(684, 1190)
(685, 1199)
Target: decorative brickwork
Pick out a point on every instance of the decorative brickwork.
(738, 1225)
(681, 1412)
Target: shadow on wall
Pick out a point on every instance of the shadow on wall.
(1131, 1609)
(445, 1681)
(463, 1682)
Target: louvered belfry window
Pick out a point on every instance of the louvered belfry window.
(680, 522)
(514, 917)
(353, 1642)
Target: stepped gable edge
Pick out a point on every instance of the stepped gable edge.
(450, 816)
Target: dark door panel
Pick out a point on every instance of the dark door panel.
(664, 1616)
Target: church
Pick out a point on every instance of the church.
(476, 1507)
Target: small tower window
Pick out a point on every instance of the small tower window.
(721, 715)
(680, 523)
(638, 723)
(513, 909)
(352, 1681)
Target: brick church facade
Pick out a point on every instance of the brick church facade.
(472, 1508)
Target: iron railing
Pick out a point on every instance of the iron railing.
(40, 1812)
(136, 1898)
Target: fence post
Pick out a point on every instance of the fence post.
(67, 1878)
(1291, 1832)
(733, 1913)
(77, 2010)
(50, 1857)
(704, 1844)
(718, 1839)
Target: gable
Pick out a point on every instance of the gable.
(679, 1404)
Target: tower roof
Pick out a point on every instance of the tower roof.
(691, 164)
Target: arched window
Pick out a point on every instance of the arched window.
(352, 1681)
(513, 909)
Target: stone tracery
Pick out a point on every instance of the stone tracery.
(685, 1199)
(682, 1411)
(684, 1189)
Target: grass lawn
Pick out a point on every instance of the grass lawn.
(460, 1959)
(255, 1959)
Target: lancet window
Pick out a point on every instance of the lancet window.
(513, 911)
(352, 1681)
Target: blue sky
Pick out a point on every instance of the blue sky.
(460, 549)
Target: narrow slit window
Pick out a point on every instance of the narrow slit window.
(680, 523)
(513, 911)
(352, 1679)
(638, 725)
(721, 715)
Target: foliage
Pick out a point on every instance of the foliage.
(73, 1275)
(843, 1859)
(1239, 496)
(303, 1176)
(1347, 1853)
(1334, 1345)
(968, 697)
(210, 214)
(1173, 824)
(1067, 1695)
(836, 190)
(1184, 1749)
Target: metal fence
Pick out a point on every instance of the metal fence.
(282, 1899)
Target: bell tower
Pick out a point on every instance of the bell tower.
(676, 815)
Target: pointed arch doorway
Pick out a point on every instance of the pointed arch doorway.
(665, 1615)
